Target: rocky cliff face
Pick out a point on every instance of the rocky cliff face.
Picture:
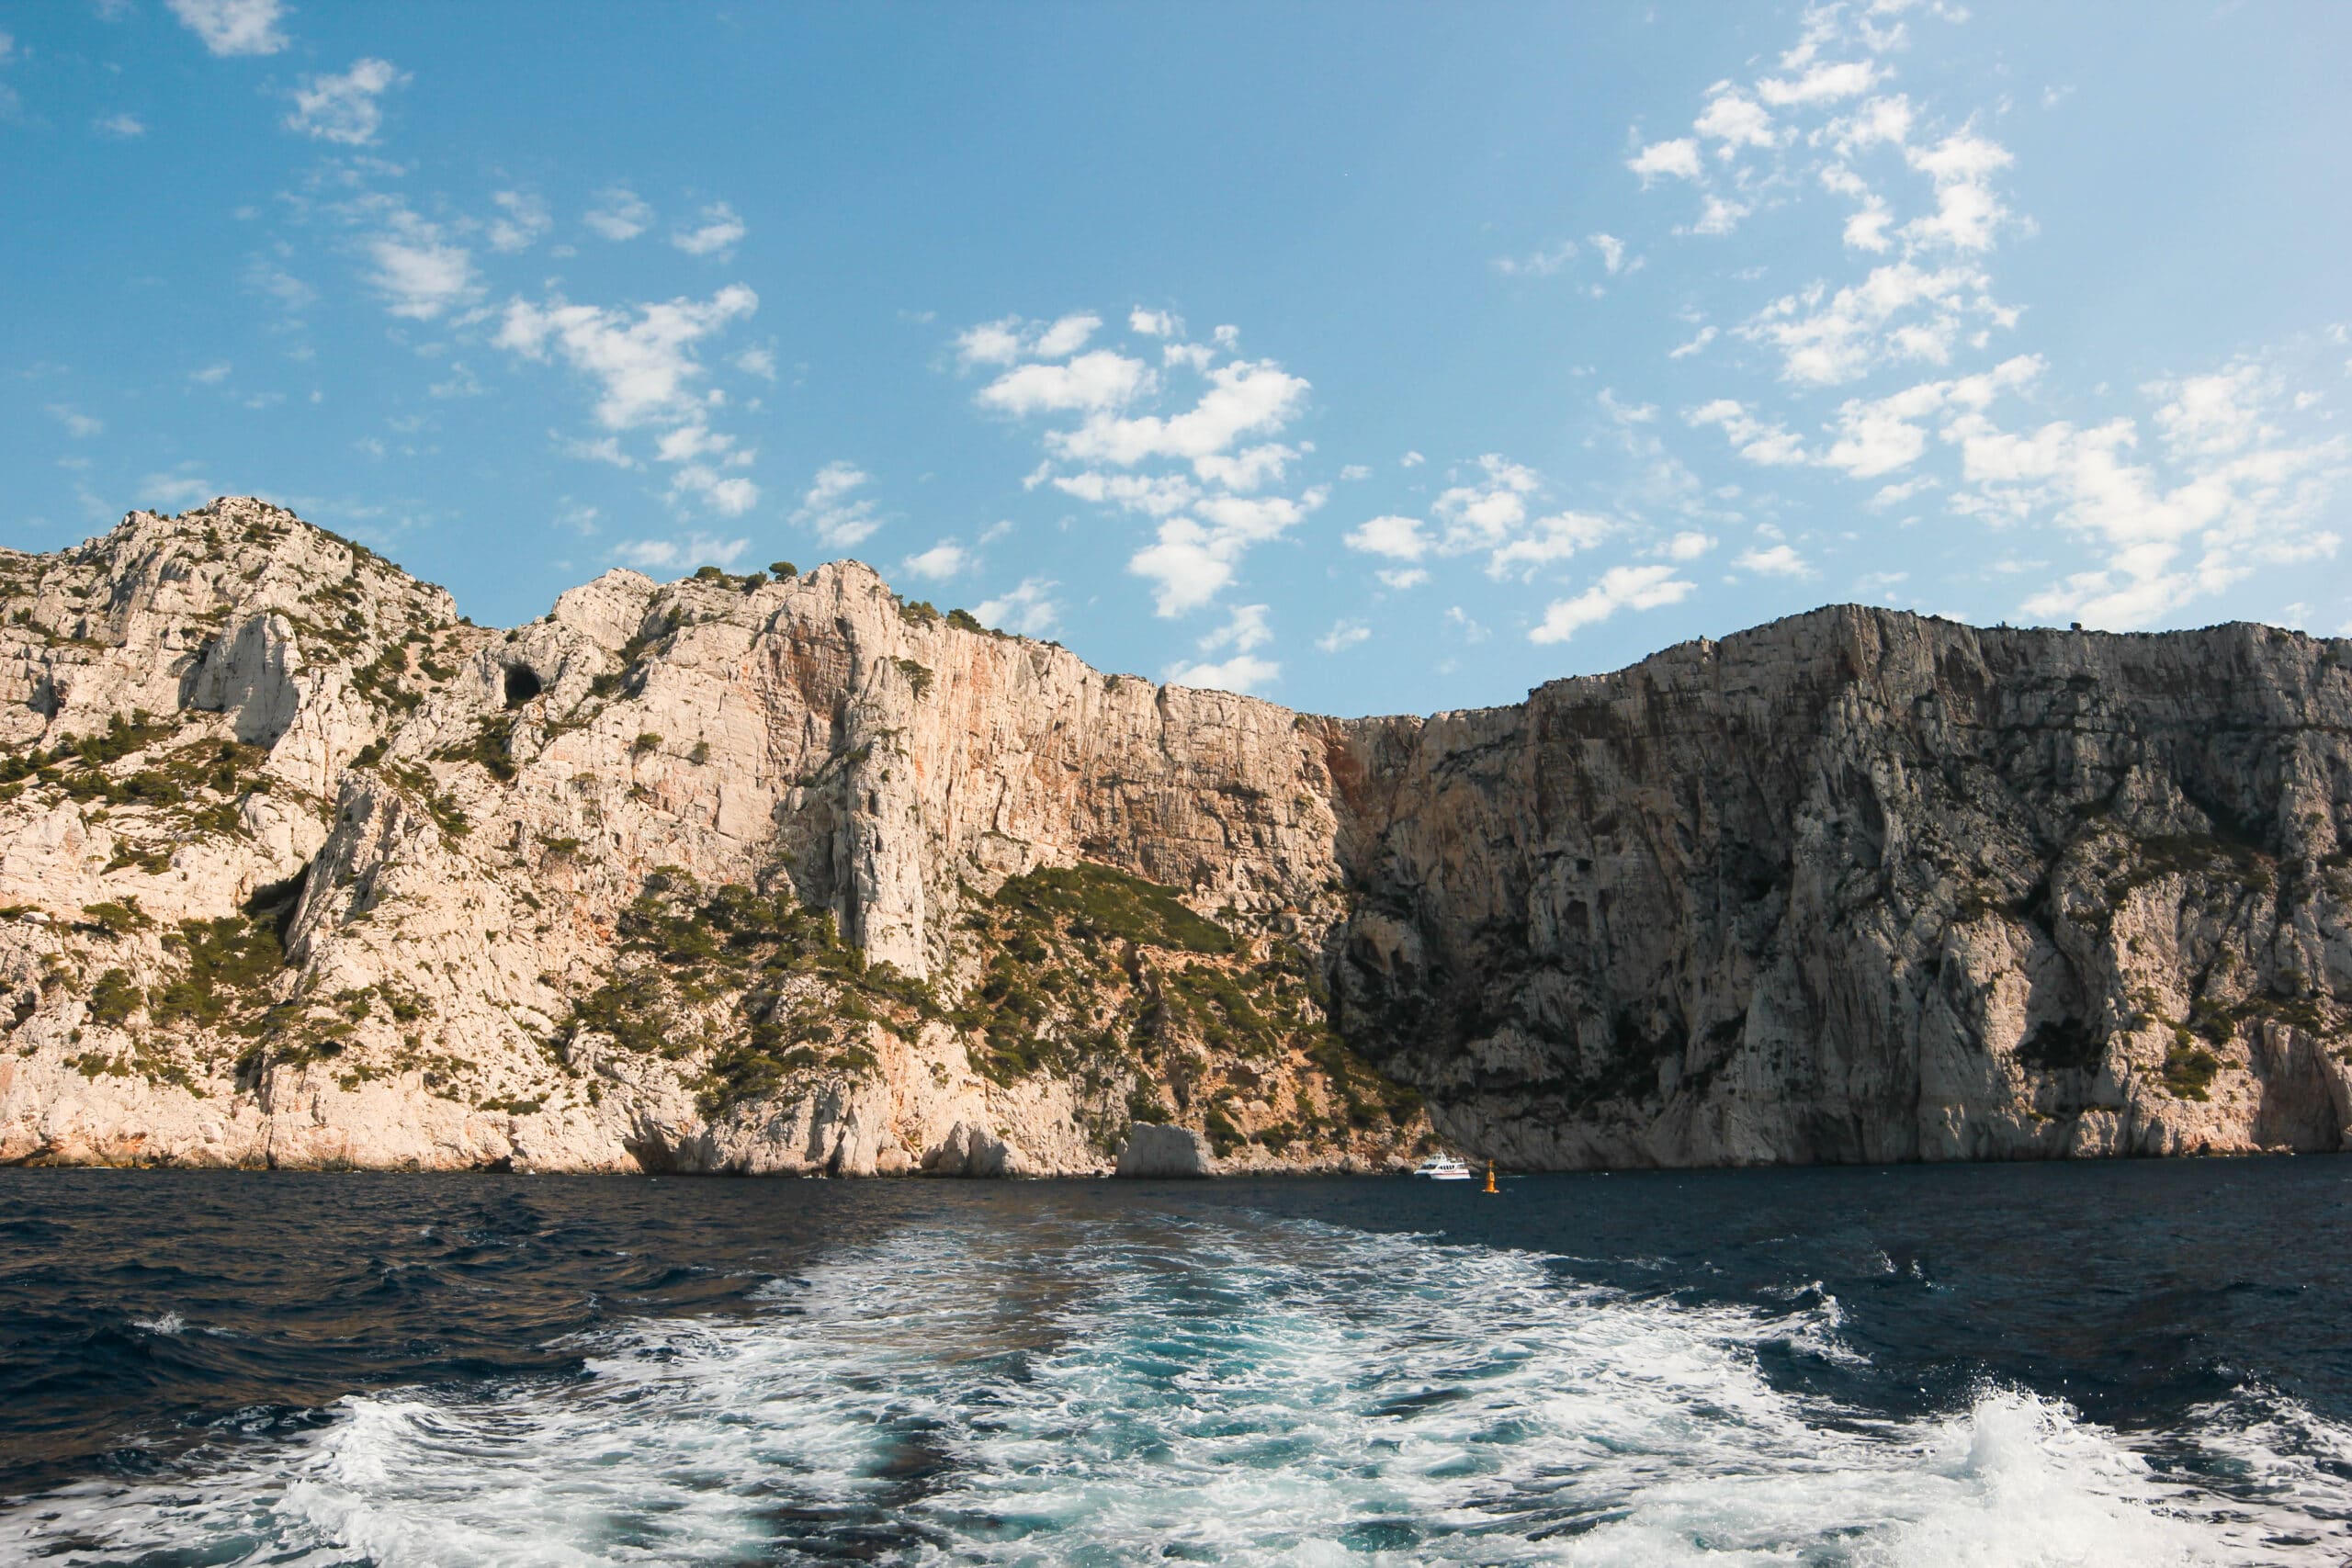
(790, 874)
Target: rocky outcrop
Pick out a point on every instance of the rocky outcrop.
(1158, 1153)
(791, 876)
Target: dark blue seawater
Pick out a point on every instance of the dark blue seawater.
(2114, 1364)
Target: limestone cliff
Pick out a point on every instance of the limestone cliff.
(786, 874)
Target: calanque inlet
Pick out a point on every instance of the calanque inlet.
(781, 873)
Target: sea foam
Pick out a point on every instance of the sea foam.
(1251, 1391)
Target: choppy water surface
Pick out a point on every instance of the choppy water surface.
(2100, 1364)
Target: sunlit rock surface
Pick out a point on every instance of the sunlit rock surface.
(794, 876)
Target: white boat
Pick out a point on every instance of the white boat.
(1441, 1168)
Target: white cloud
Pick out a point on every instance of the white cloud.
(1876, 437)
(2213, 414)
(1485, 512)
(1678, 158)
(1343, 635)
(1402, 578)
(1241, 673)
(1066, 336)
(1154, 323)
(1353, 472)
(828, 509)
(1719, 216)
(1613, 252)
(2237, 491)
(1780, 560)
(1209, 517)
(1245, 628)
(1548, 541)
(1822, 84)
(619, 214)
(606, 450)
(1244, 398)
(1088, 383)
(1489, 512)
(1705, 336)
(696, 550)
(1192, 559)
(1893, 495)
(1620, 588)
(211, 375)
(990, 342)
(1967, 209)
(942, 562)
(1866, 229)
(418, 270)
(1029, 610)
(1012, 339)
(126, 126)
(1881, 123)
(1758, 440)
(522, 219)
(79, 425)
(234, 27)
(640, 358)
(729, 495)
(760, 362)
(719, 231)
(344, 109)
(1825, 341)
(1733, 119)
(1250, 468)
(1155, 495)
(1400, 538)
(160, 491)
(1688, 545)
(691, 441)
(1411, 460)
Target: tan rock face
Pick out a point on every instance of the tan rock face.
(730, 875)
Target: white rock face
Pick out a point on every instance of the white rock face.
(1157, 1152)
(299, 869)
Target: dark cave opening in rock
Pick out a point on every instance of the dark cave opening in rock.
(522, 684)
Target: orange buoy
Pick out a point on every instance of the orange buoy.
(1490, 1176)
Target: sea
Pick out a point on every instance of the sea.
(2126, 1364)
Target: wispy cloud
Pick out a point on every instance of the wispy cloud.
(1620, 588)
(719, 233)
(833, 511)
(694, 550)
(619, 214)
(234, 27)
(1028, 609)
(345, 109)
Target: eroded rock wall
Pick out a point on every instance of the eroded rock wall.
(298, 868)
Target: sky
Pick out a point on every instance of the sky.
(1371, 358)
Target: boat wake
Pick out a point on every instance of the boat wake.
(1256, 1391)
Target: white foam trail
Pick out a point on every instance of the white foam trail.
(1242, 1392)
(165, 1323)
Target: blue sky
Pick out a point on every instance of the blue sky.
(1371, 358)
